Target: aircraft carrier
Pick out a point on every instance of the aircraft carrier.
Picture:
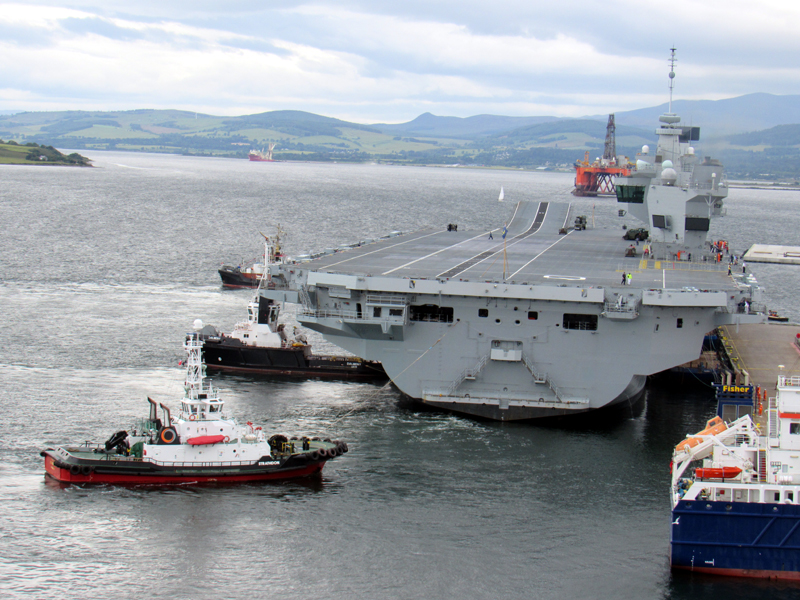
(538, 321)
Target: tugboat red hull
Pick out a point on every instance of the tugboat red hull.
(149, 474)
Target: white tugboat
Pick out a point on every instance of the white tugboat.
(201, 444)
(738, 512)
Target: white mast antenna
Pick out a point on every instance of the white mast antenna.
(672, 61)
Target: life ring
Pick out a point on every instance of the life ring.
(74, 469)
(168, 435)
(226, 439)
(192, 417)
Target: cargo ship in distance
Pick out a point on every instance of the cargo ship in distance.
(261, 155)
(537, 321)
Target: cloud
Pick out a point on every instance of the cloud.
(380, 61)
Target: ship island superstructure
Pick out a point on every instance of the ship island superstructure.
(537, 321)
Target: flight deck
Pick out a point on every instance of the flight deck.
(540, 247)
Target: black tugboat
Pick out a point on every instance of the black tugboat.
(251, 276)
(261, 345)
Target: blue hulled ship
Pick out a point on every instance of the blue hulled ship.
(736, 493)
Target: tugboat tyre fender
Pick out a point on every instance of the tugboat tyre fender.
(86, 470)
(314, 455)
(74, 469)
(168, 435)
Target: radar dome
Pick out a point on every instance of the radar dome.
(690, 151)
(667, 164)
(645, 149)
(642, 164)
(198, 324)
(669, 176)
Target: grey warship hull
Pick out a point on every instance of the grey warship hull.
(536, 318)
(534, 325)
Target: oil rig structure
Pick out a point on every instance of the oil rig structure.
(597, 178)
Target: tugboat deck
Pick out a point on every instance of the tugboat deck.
(535, 253)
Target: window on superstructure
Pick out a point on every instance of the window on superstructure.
(533, 315)
(431, 313)
(376, 312)
(580, 322)
(483, 312)
(630, 193)
(680, 323)
(794, 428)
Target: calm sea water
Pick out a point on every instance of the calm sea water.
(103, 270)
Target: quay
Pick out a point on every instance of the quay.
(760, 352)
(762, 253)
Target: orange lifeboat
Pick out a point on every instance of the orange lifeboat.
(713, 427)
(717, 473)
(202, 440)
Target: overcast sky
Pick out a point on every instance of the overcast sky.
(389, 61)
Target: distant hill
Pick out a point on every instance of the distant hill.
(568, 130)
(755, 135)
(721, 117)
(430, 125)
(779, 136)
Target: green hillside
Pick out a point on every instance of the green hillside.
(483, 140)
(31, 153)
